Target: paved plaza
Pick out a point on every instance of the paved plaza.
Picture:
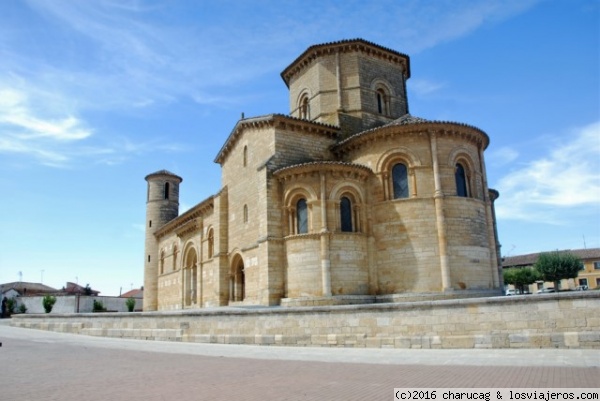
(40, 365)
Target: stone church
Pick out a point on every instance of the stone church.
(348, 199)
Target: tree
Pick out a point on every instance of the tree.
(48, 303)
(520, 277)
(555, 266)
(87, 290)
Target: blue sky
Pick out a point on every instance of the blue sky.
(95, 95)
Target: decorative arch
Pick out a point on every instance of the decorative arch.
(175, 252)
(162, 261)
(237, 279)
(464, 153)
(190, 274)
(383, 95)
(294, 192)
(462, 163)
(400, 153)
(210, 239)
(303, 105)
(348, 198)
(396, 168)
(291, 201)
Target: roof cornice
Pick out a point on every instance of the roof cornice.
(162, 173)
(356, 45)
(186, 219)
(358, 171)
(420, 127)
(280, 121)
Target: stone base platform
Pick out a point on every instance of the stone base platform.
(560, 320)
(391, 298)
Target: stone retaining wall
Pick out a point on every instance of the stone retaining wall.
(564, 320)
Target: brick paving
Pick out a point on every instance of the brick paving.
(52, 366)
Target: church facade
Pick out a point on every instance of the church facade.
(349, 198)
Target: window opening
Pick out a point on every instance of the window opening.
(302, 216)
(400, 181)
(461, 181)
(346, 214)
(245, 155)
(211, 243)
(382, 102)
(166, 190)
(245, 213)
(304, 110)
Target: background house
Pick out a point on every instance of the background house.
(589, 276)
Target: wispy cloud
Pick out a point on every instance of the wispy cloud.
(424, 87)
(502, 156)
(59, 140)
(567, 178)
(124, 56)
(17, 112)
(135, 57)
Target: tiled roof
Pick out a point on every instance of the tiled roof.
(354, 44)
(136, 293)
(163, 172)
(32, 288)
(408, 120)
(323, 163)
(310, 126)
(531, 258)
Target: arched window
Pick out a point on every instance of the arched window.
(303, 107)
(166, 190)
(175, 250)
(211, 243)
(245, 213)
(245, 155)
(400, 181)
(346, 214)
(383, 101)
(302, 217)
(460, 175)
(162, 262)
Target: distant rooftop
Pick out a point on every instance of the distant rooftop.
(531, 258)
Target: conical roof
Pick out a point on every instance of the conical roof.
(163, 173)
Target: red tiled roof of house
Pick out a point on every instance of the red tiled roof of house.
(135, 293)
(531, 258)
(25, 288)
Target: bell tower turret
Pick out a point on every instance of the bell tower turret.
(162, 206)
(353, 84)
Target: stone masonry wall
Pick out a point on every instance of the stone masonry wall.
(563, 320)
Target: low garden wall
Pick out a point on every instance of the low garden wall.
(75, 304)
(563, 320)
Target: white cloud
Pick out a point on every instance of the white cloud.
(502, 156)
(134, 51)
(566, 179)
(129, 56)
(423, 87)
(16, 112)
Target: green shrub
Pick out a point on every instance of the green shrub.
(130, 304)
(98, 306)
(48, 302)
(22, 308)
(10, 305)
